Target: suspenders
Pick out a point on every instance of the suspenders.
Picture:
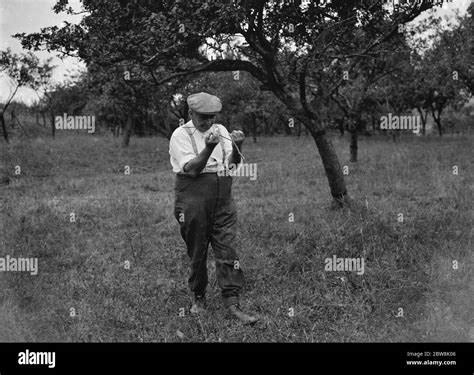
(193, 142)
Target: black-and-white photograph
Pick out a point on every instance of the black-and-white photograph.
(237, 171)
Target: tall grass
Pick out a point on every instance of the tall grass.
(127, 219)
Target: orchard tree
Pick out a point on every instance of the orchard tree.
(169, 39)
(21, 70)
(357, 98)
(442, 74)
(44, 86)
(440, 84)
(448, 67)
(456, 47)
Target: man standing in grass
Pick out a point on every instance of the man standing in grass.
(204, 207)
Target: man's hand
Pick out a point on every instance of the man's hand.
(196, 165)
(238, 137)
(211, 140)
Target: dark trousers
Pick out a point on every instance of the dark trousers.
(206, 213)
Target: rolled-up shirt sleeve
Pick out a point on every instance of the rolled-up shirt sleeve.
(181, 149)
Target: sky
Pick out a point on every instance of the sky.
(29, 16)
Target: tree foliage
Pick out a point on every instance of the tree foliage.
(286, 45)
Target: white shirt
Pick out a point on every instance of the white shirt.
(181, 147)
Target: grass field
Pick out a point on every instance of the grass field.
(120, 218)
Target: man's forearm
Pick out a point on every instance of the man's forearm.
(196, 165)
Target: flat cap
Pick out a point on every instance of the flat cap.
(204, 103)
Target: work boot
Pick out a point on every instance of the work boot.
(199, 305)
(236, 312)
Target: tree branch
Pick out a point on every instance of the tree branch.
(302, 87)
(220, 66)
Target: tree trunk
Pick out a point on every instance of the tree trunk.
(423, 120)
(4, 128)
(266, 127)
(438, 125)
(353, 146)
(128, 130)
(332, 168)
(437, 120)
(288, 129)
(325, 147)
(340, 125)
(395, 135)
(299, 129)
(254, 127)
(2, 114)
(53, 128)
